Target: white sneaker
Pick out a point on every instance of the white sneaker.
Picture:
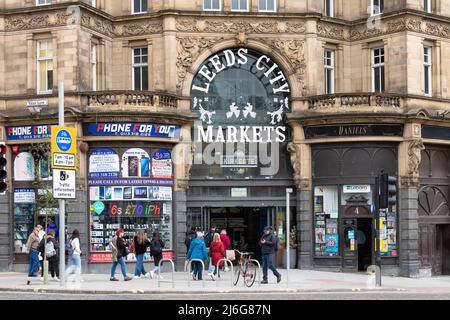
(147, 275)
(213, 278)
(136, 277)
(160, 277)
(41, 278)
(152, 273)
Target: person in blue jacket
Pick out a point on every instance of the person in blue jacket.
(197, 250)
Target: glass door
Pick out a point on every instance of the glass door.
(350, 245)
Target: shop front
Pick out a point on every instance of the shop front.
(343, 191)
(241, 167)
(130, 178)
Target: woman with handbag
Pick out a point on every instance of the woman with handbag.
(119, 253)
(217, 253)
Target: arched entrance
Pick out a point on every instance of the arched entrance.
(241, 168)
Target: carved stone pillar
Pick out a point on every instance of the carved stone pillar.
(409, 161)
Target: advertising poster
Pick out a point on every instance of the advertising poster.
(162, 164)
(116, 129)
(24, 167)
(140, 193)
(94, 193)
(24, 195)
(392, 239)
(320, 235)
(135, 163)
(331, 243)
(104, 163)
(117, 193)
(165, 193)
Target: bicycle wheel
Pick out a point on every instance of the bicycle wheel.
(237, 273)
(250, 274)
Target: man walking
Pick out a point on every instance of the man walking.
(268, 244)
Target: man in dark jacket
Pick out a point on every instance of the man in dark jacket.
(268, 243)
(192, 234)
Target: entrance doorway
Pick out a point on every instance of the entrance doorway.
(358, 250)
(441, 263)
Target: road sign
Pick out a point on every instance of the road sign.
(64, 148)
(64, 184)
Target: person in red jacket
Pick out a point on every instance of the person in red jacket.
(217, 251)
(225, 239)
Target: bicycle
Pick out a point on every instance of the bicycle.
(246, 268)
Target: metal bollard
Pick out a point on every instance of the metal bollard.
(373, 269)
(173, 272)
(218, 270)
(259, 270)
(189, 271)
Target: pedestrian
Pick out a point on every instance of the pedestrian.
(119, 253)
(217, 251)
(32, 248)
(189, 237)
(226, 244)
(208, 240)
(141, 243)
(197, 250)
(51, 254)
(156, 250)
(268, 244)
(75, 257)
(41, 235)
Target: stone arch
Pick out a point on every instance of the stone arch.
(261, 47)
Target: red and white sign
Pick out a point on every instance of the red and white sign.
(106, 257)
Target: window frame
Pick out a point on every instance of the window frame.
(140, 12)
(330, 68)
(374, 66)
(428, 70)
(47, 2)
(94, 64)
(139, 65)
(212, 9)
(94, 3)
(329, 6)
(38, 68)
(240, 10)
(427, 6)
(372, 7)
(274, 10)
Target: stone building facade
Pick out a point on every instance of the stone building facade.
(368, 90)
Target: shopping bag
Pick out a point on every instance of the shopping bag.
(230, 255)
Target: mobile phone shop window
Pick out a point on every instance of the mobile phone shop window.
(326, 203)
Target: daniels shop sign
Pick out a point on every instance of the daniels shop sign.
(241, 96)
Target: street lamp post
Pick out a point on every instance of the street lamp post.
(62, 203)
(288, 233)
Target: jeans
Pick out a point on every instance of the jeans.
(34, 262)
(139, 265)
(123, 267)
(267, 260)
(75, 265)
(198, 270)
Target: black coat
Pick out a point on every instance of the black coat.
(122, 250)
(140, 248)
(156, 247)
(269, 246)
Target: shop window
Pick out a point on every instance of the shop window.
(24, 212)
(326, 221)
(130, 189)
(24, 167)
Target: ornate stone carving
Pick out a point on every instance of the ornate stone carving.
(97, 24)
(328, 30)
(294, 150)
(189, 49)
(294, 51)
(139, 28)
(183, 184)
(414, 156)
(409, 182)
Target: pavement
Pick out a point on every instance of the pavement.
(300, 281)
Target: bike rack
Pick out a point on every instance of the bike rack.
(189, 271)
(173, 272)
(218, 270)
(259, 270)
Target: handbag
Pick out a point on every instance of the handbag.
(230, 255)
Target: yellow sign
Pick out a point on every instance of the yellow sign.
(64, 148)
(384, 245)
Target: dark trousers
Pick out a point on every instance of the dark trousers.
(53, 266)
(267, 260)
(198, 269)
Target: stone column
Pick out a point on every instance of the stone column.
(408, 161)
(183, 159)
(6, 218)
(301, 164)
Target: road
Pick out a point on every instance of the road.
(234, 296)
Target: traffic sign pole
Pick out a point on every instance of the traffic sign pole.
(62, 202)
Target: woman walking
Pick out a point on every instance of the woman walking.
(52, 255)
(197, 250)
(32, 247)
(217, 251)
(156, 250)
(141, 244)
(119, 253)
(226, 244)
(75, 258)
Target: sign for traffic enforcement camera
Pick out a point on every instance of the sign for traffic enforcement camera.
(64, 148)
(64, 184)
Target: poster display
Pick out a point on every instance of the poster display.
(388, 234)
(162, 164)
(135, 163)
(24, 195)
(104, 163)
(24, 167)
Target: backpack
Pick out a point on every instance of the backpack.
(50, 250)
(69, 249)
(156, 247)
